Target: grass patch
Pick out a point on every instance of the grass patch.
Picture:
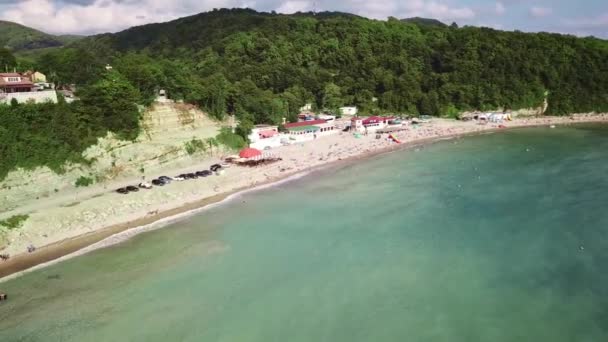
(230, 140)
(83, 181)
(14, 222)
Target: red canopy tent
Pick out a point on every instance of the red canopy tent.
(250, 153)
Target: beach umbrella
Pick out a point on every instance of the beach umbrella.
(250, 153)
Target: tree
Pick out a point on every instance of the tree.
(114, 100)
(332, 98)
(7, 60)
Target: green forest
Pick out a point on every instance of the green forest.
(262, 67)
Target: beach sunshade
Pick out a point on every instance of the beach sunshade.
(250, 153)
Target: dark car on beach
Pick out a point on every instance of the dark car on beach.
(204, 173)
(165, 179)
(122, 191)
(132, 188)
(215, 167)
(158, 182)
(191, 176)
(185, 176)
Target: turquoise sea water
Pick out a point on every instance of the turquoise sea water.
(502, 237)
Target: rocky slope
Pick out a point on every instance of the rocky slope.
(167, 127)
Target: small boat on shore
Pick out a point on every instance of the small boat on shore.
(3, 296)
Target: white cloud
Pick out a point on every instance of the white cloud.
(94, 16)
(500, 8)
(295, 6)
(540, 12)
(106, 15)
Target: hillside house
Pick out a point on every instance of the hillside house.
(13, 82)
(35, 76)
(349, 111)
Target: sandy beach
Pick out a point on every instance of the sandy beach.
(62, 227)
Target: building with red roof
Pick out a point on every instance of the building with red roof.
(372, 123)
(12, 82)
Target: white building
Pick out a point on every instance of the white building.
(328, 118)
(310, 130)
(371, 124)
(306, 108)
(264, 137)
(349, 111)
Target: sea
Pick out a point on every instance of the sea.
(496, 237)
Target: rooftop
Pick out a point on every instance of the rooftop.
(304, 123)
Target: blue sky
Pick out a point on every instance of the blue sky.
(583, 17)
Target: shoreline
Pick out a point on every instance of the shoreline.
(109, 235)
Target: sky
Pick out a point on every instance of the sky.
(582, 17)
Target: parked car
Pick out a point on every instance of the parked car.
(132, 188)
(158, 182)
(165, 179)
(215, 167)
(192, 176)
(204, 173)
(178, 179)
(122, 191)
(145, 185)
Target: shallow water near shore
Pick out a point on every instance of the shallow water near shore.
(501, 237)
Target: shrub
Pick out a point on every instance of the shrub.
(83, 181)
(14, 222)
(230, 140)
(195, 145)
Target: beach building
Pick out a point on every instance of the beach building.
(309, 130)
(306, 116)
(349, 111)
(370, 124)
(328, 118)
(264, 137)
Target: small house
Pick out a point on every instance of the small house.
(13, 82)
(264, 137)
(349, 111)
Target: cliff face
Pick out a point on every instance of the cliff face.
(166, 126)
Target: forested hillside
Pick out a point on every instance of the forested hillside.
(18, 37)
(262, 67)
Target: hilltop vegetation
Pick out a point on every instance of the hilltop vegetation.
(262, 67)
(17, 37)
(424, 21)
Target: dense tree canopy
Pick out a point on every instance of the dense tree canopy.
(7, 60)
(48, 134)
(247, 63)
